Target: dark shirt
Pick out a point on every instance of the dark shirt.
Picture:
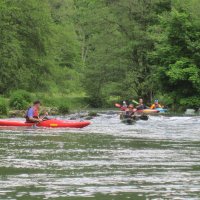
(141, 107)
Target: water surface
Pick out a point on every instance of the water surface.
(157, 159)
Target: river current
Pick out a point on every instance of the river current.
(154, 159)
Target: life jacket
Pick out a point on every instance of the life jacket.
(141, 107)
(154, 106)
(35, 113)
(129, 112)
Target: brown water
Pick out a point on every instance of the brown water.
(157, 159)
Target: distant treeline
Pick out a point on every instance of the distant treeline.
(107, 49)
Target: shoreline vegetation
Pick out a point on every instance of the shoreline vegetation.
(19, 101)
(16, 104)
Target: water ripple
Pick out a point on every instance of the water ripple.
(157, 159)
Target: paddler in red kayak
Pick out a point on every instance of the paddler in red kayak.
(32, 114)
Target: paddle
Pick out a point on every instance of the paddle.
(135, 102)
(118, 105)
(43, 119)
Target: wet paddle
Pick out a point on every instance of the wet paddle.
(135, 102)
(118, 105)
(43, 119)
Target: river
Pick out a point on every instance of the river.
(155, 159)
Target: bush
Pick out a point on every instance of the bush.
(20, 99)
(54, 100)
(190, 102)
(63, 108)
(3, 107)
(96, 102)
(165, 100)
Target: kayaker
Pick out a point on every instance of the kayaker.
(156, 105)
(124, 106)
(141, 105)
(32, 114)
(130, 110)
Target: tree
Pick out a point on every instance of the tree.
(116, 46)
(178, 55)
(25, 29)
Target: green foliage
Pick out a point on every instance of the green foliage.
(23, 44)
(116, 44)
(38, 43)
(165, 99)
(3, 107)
(177, 54)
(190, 102)
(20, 100)
(54, 100)
(96, 101)
(101, 49)
(63, 108)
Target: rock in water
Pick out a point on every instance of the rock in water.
(190, 112)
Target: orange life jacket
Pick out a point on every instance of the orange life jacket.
(35, 113)
(154, 106)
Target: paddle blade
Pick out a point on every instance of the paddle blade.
(135, 102)
(118, 105)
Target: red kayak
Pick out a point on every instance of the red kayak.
(51, 123)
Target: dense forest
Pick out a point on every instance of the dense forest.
(106, 50)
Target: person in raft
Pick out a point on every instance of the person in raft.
(32, 114)
(124, 106)
(156, 105)
(141, 105)
(130, 110)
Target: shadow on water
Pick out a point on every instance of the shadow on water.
(155, 159)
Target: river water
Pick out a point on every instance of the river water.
(155, 159)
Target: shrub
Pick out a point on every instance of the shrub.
(165, 100)
(96, 102)
(190, 102)
(20, 99)
(3, 107)
(63, 108)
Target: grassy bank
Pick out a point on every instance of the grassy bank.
(17, 102)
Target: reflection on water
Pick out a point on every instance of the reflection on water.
(155, 159)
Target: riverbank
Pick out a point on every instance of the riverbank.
(16, 103)
(19, 101)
